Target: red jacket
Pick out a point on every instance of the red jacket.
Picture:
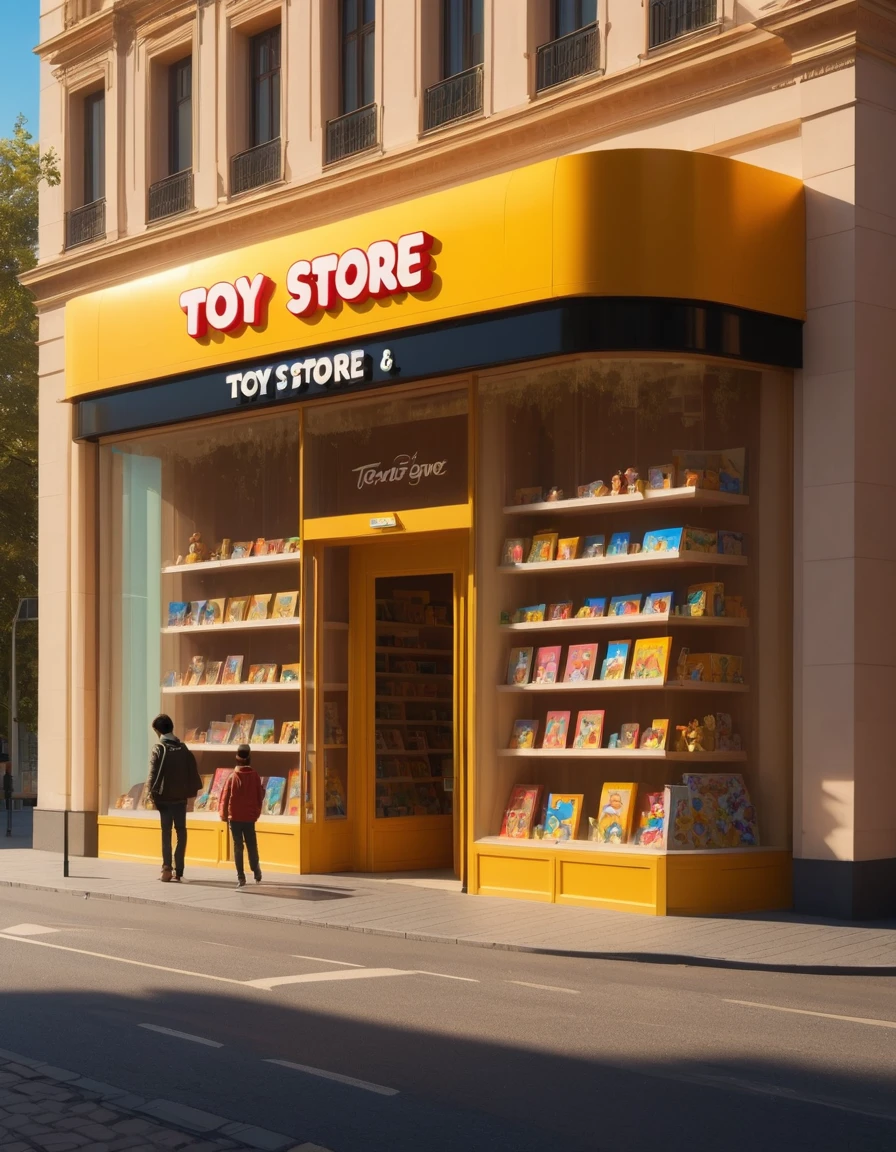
(242, 796)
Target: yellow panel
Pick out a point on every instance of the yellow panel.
(448, 518)
(408, 844)
(526, 876)
(625, 883)
(721, 882)
(617, 222)
(121, 838)
(278, 847)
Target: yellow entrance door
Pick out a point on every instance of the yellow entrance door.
(407, 711)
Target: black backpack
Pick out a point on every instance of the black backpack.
(177, 778)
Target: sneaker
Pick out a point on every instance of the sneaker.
(258, 876)
(166, 875)
(241, 881)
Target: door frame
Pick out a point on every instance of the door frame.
(424, 554)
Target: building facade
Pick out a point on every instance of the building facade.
(432, 385)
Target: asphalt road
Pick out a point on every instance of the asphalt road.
(446, 1048)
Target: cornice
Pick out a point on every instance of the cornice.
(745, 60)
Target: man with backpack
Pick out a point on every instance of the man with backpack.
(173, 780)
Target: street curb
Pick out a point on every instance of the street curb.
(664, 958)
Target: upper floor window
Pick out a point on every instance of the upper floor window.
(358, 26)
(264, 51)
(571, 15)
(462, 40)
(94, 147)
(180, 116)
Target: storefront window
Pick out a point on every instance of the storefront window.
(200, 579)
(633, 534)
(408, 452)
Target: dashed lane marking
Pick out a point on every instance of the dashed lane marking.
(546, 987)
(379, 1089)
(270, 982)
(181, 1035)
(324, 960)
(824, 1015)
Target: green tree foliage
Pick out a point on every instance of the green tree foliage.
(21, 170)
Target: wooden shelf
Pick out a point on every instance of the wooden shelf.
(658, 498)
(444, 653)
(445, 701)
(335, 688)
(388, 625)
(335, 747)
(248, 562)
(186, 690)
(231, 626)
(408, 751)
(627, 686)
(416, 723)
(409, 779)
(684, 559)
(205, 746)
(639, 620)
(625, 754)
(416, 675)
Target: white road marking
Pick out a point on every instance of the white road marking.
(546, 987)
(823, 1015)
(28, 930)
(121, 960)
(181, 1035)
(445, 976)
(350, 1080)
(323, 960)
(269, 982)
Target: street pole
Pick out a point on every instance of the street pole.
(13, 705)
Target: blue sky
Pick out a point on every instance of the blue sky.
(19, 78)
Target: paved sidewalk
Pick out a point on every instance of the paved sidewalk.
(48, 1109)
(438, 911)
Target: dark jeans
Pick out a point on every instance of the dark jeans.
(244, 830)
(173, 815)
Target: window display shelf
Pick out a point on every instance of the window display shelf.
(234, 626)
(627, 686)
(392, 650)
(249, 562)
(684, 559)
(626, 754)
(204, 746)
(534, 844)
(659, 498)
(186, 689)
(637, 620)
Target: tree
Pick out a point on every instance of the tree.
(21, 170)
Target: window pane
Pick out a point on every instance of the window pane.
(183, 140)
(368, 67)
(262, 128)
(369, 11)
(275, 105)
(350, 76)
(477, 40)
(589, 13)
(454, 37)
(564, 17)
(94, 147)
(349, 16)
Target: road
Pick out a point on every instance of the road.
(441, 1047)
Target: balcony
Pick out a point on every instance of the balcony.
(255, 167)
(355, 132)
(572, 55)
(78, 10)
(85, 224)
(456, 98)
(171, 196)
(670, 19)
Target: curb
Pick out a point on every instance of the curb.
(664, 958)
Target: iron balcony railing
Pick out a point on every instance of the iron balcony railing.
(670, 19)
(453, 99)
(85, 224)
(354, 132)
(572, 55)
(255, 167)
(171, 196)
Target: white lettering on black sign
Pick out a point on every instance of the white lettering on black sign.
(295, 376)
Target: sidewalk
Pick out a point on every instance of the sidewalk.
(435, 910)
(48, 1109)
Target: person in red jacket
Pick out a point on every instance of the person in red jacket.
(240, 805)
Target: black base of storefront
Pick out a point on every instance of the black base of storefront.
(845, 889)
(49, 832)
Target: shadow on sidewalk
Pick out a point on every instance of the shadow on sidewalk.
(278, 890)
